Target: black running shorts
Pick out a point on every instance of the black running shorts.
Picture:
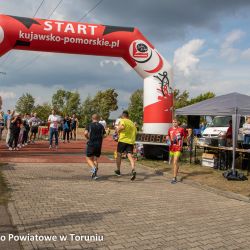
(125, 147)
(93, 149)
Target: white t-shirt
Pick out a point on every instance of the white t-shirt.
(117, 122)
(54, 120)
(246, 128)
(103, 122)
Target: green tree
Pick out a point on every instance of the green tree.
(25, 103)
(180, 99)
(66, 102)
(43, 111)
(135, 107)
(104, 102)
(202, 97)
(86, 111)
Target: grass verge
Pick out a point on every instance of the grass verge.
(203, 175)
(4, 190)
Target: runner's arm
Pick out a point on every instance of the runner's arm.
(120, 127)
(86, 132)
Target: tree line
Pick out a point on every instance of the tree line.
(103, 103)
(68, 103)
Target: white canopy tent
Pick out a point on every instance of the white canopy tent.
(233, 104)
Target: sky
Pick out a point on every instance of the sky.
(206, 42)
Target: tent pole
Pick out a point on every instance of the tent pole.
(235, 125)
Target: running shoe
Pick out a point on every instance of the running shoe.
(174, 181)
(118, 172)
(94, 173)
(133, 175)
(96, 177)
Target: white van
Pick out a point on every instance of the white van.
(218, 127)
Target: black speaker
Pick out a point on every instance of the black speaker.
(193, 121)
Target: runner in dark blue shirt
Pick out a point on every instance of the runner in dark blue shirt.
(94, 132)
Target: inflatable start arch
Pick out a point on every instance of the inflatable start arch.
(102, 40)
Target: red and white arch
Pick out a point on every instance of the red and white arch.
(82, 38)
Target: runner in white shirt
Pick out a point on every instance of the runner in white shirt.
(53, 129)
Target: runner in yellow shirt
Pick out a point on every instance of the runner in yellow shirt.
(127, 133)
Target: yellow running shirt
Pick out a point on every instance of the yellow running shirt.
(128, 134)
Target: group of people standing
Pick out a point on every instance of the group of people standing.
(68, 125)
(22, 130)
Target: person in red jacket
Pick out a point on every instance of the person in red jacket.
(175, 140)
(229, 135)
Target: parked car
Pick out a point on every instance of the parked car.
(218, 127)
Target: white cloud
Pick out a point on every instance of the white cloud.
(124, 65)
(228, 51)
(7, 94)
(233, 37)
(246, 54)
(185, 58)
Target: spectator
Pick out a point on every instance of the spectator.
(1, 124)
(202, 127)
(229, 134)
(8, 118)
(54, 121)
(60, 128)
(116, 124)
(34, 123)
(66, 128)
(20, 138)
(246, 131)
(103, 122)
(74, 126)
(15, 125)
(26, 119)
